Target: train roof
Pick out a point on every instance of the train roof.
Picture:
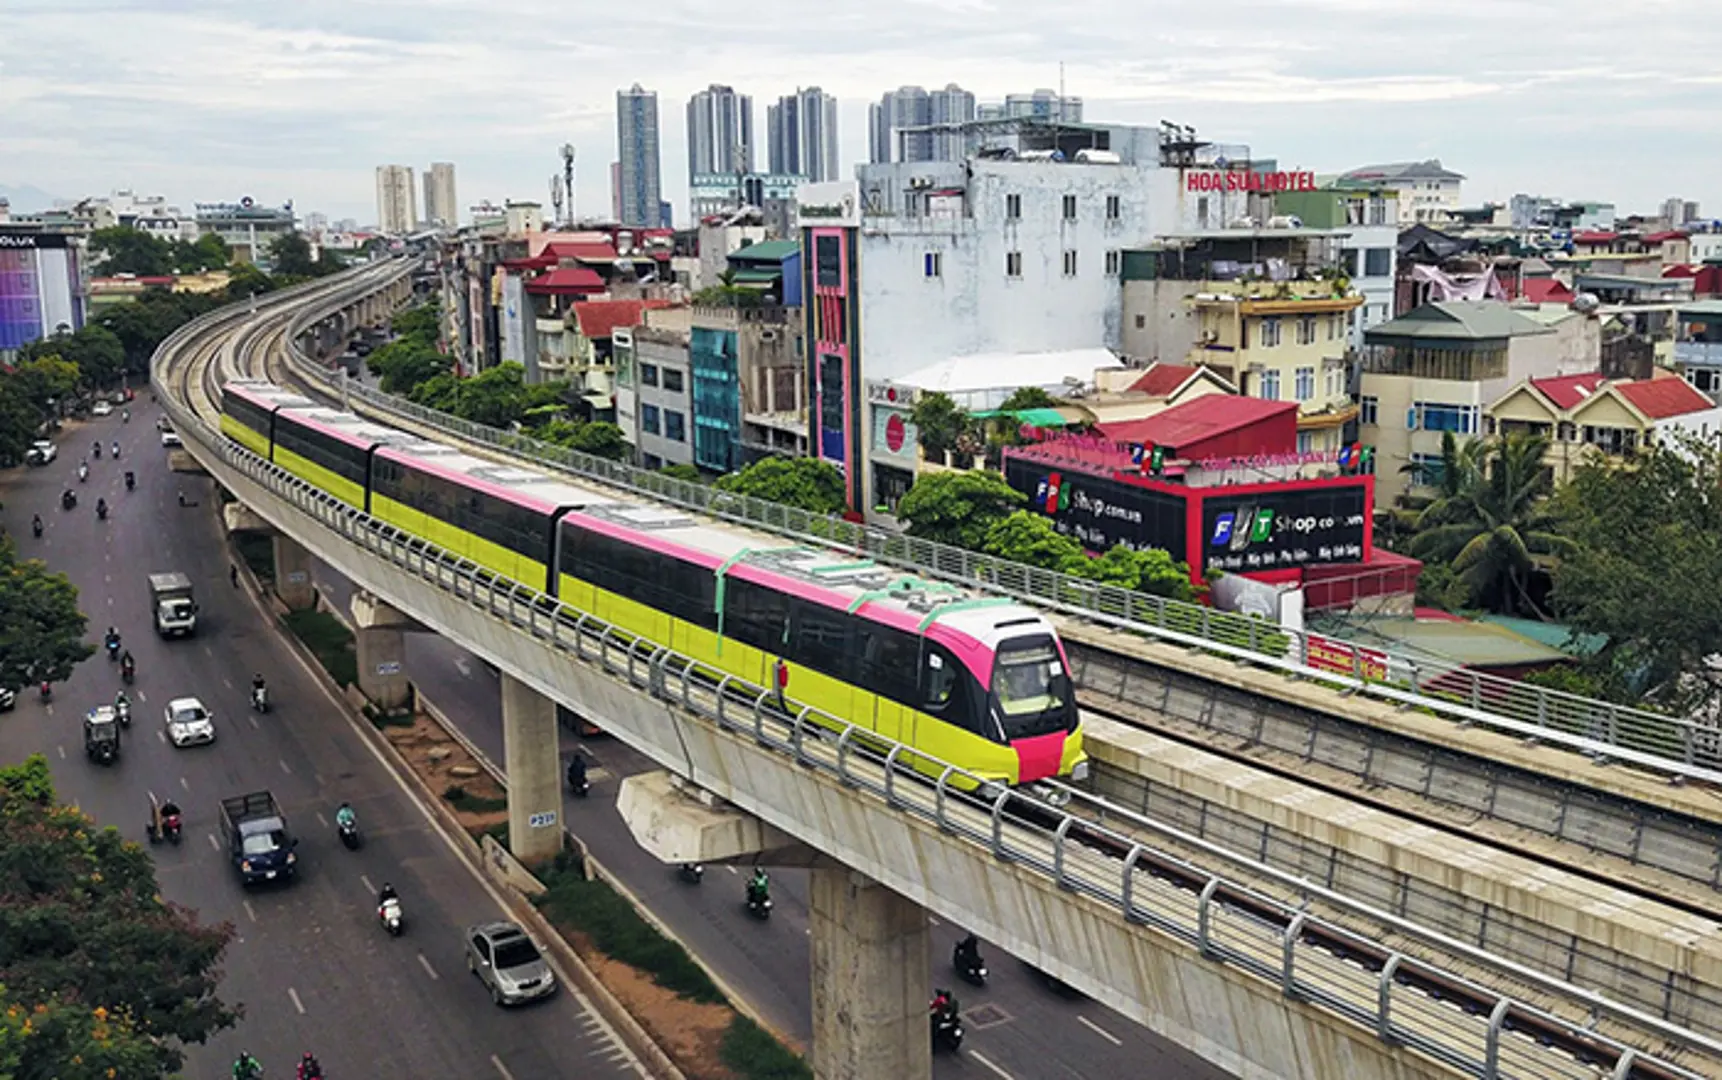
(526, 487)
(350, 427)
(266, 394)
(855, 581)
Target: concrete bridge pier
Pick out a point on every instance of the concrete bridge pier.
(293, 573)
(870, 988)
(534, 772)
(380, 641)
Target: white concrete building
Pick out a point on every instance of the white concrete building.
(397, 203)
(1428, 192)
(441, 209)
(146, 213)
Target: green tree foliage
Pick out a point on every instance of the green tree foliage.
(290, 256)
(97, 351)
(805, 483)
(246, 281)
(402, 366)
(958, 508)
(496, 397)
(44, 379)
(420, 322)
(1027, 537)
(44, 630)
(142, 324)
(1647, 549)
(683, 471)
(942, 425)
(1491, 522)
(19, 419)
(1028, 397)
(124, 250)
(105, 973)
(600, 438)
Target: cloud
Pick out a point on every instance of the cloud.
(207, 100)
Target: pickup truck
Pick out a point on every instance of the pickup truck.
(258, 841)
(41, 452)
(171, 605)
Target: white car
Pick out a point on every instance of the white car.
(41, 452)
(8, 698)
(170, 437)
(188, 722)
(101, 408)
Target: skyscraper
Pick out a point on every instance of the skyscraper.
(801, 135)
(720, 132)
(440, 206)
(911, 106)
(1042, 104)
(397, 206)
(637, 156)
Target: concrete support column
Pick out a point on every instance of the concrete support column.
(382, 662)
(293, 574)
(870, 981)
(534, 772)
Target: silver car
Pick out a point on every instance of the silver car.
(506, 960)
(188, 722)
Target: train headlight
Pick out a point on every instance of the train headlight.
(1080, 772)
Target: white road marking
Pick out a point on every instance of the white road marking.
(372, 889)
(207, 651)
(162, 735)
(284, 767)
(501, 1068)
(1100, 1031)
(141, 698)
(463, 667)
(213, 842)
(107, 579)
(227, 683)
(183, 784)
(51, 713)
(300, 1005)
(321, 820)
(931, 921)
(62, 751)
(253, 720)
(732, 869)
(977, 1056)
(427, 966)
(253, 914)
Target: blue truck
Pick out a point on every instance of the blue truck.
(258, 840)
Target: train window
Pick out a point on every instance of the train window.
(945, 688)
(820, 639)
(251, 415)
(888, 662)
(674, 586)
(755, 615)
(342, 459)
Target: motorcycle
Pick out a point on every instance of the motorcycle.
(758, 903)
(349, 835)
(578, 785)
(691, 872)
(128, 671)
(123, 712)
(96, 450)
(131, 480)
(969, 966)
(47, 690)
(101, 510)
(170, 827)
(36, 528)
(83, 472)
(68, 500)
(389, 914)
(947, 1028)
(116, 451)
(113, 648)
(260, 698)
(125, 416)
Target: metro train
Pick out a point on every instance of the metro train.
(979, 682)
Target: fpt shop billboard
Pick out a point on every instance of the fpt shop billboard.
(1100, 513)
(1273, 530)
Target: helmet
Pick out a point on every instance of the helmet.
(308, 1058)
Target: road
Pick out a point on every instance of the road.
(309, 966)
(1017, 1027)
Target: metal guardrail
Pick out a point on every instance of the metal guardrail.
(1659, 743)
(1473, 1029)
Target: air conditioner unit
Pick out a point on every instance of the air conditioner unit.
(920, 181)
(768, 335)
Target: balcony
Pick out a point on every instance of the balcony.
(1698, 353)
(1305, 296)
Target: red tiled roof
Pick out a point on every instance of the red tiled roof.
(1196, 421)
(1161, 379)
(601, 318)
(1664, 397)
(569, 279)
(1661, 237)
(584, 251)
(1547, 290)
(1568, 390)
(537, 262)
(1596, 237)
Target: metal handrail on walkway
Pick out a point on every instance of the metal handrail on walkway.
(1470, 1027)
(1664, 744)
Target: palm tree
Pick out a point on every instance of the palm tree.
(1490, 521)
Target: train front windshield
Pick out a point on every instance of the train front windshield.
(1031, 690)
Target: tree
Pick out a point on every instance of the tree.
(114, 975)
(600, 438)
(45, 379)
(421, 322)
(246, 281)
(19, 419)
(495, 397)
(1491, 522)
(124, 250)
(96, 350)
(942, 425)
(44, 630)
(290, 256)
(403, 366)
(958, 508)
(1031, 538)
(683, 471)
(1647, 543)
(143, 323)
(805, 483)
(1028, 397)
(207, 252)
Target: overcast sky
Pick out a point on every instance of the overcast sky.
(208, 100)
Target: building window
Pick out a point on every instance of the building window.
(935, 264)
(675, 426)
(648, 374)
(1426, 469)
(1013, 264)
(1305, 383)
(1306, 330)
(1070, 208)
(1335, 382)
(1377, 262)
(1114, 259)
(1306, 442)
(1348, 262)
(1434, 416)
(1270, 385)
(1141, 322)
(649, 419)
(1368, 410)
(1070, 264)
(1115, 207)
(1013, 207)
(1335, 323)
(1270, 333)
(1378, 211)
(673, 380)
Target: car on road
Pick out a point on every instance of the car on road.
(41, 452)
(507, 961)
(8, 698)
(170, 437)
(101, 408)
(188, 722)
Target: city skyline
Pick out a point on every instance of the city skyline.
(1612, 106)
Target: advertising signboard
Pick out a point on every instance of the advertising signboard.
(1274, 530)
(1100, 513)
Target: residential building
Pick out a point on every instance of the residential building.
(748, 363)
(720, 132)
(397, 205)
(1435, 369)
(891, 118)
(41, 287)
(1044, 104)
(1428, 192)
(1369, 250)
(247, 228)
(1698, 345)
(1588, 417)
(662, 389)
(637, 176)
(440, 205)
(146, 213)
(720, 235)
(801, 136)
(723, 194)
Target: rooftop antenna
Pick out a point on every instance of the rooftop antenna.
(556, 197)
(568, 177)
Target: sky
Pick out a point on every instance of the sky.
(211, 100)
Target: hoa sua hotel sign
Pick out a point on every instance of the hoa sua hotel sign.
(1237, 180)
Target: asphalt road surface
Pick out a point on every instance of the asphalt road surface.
(1017, 1027)
(310, 966)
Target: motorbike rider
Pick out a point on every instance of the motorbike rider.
(968, 953)
(112, 638)
(386, 894)
(116, 449)
(257, 685)
(36, 524)
(127, 664)
(96, 448)
(121, 702)
(83, 471)
(577, 770)
(943, 1006)
(131, 480)
(758, 886)
(125, 416)
(309, 1068)
(246, 1067)
(345, 818)
(101, 508)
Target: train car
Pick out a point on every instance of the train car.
(982, 683)
(501, 517)
(331, 449)
(248, 413)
